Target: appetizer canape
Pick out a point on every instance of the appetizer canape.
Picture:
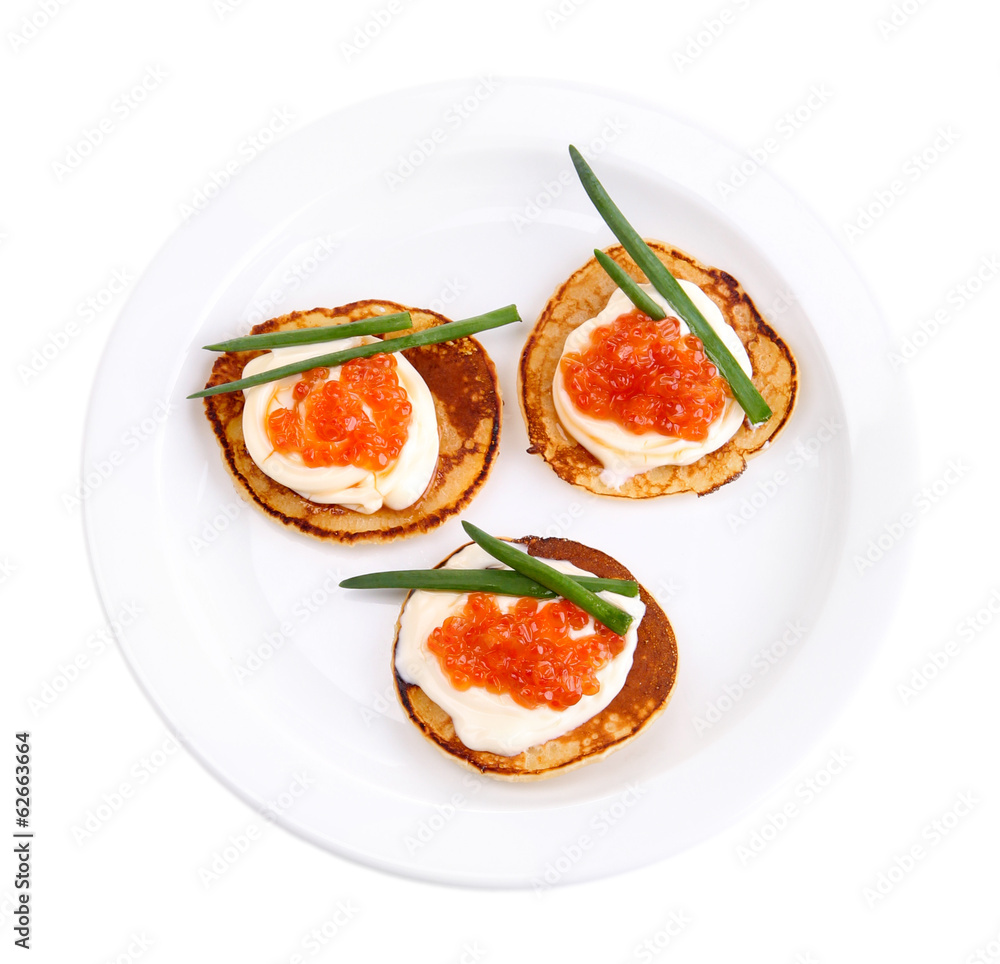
(373, 433)
(526, 658)
(649, 373)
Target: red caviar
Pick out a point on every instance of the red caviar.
(527, 652)
(646, 376)
(362, 419)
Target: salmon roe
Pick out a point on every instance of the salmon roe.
(362, 419)
(646, 376)
(527, 652)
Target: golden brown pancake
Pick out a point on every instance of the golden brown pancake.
(581, 298)
(463, 381)
(644, 696)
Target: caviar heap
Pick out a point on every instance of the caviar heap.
(537, 653)
(646, 376)
(362, 419)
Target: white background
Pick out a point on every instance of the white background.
(137, 889)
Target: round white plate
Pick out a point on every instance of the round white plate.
(461, 197)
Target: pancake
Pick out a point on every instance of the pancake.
(581, 298)
(646, 692)
(463, 381)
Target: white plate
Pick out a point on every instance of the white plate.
(489, 215)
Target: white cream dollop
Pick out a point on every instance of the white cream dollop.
(624, 454)
(494, 722)
(398, 486)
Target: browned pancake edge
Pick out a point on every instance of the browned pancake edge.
(463, 381)
(581, 298)
(643, 698)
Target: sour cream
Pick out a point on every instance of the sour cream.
(397, 486)
(624, 454)
(494, 722)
